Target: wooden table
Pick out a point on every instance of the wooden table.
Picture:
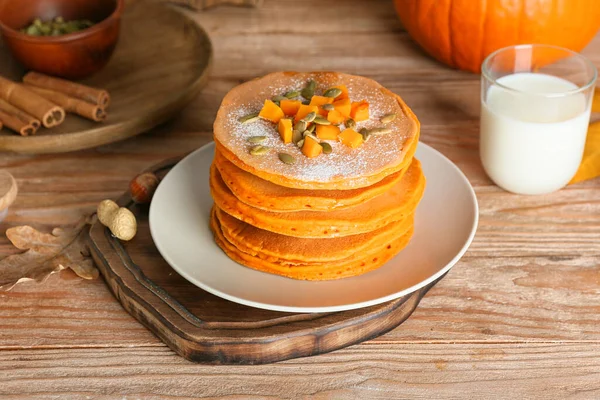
(517, 317)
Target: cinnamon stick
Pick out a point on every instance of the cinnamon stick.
(71, 104)
(22, 115)
(16, 124)
(99, 97)
(32, 103)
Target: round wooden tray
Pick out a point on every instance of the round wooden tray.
(160, 64)
(205, 328)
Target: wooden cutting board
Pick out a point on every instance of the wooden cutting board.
(204, 328)
(160, 64)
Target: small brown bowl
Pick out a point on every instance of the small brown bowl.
(72, 56)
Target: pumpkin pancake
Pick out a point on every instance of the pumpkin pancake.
(397, 203)
(317, 271)
(343, 168)
(265, 195)
(289, 250)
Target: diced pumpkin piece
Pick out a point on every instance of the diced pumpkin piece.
(290, 107)
(351, 138)
(320, 100)
(344, 106)
(311, 148)
(285, 130)
(271, 112)
(327, 132)
(336, 117)
(344, 94)
(360, 111)
(304, 110)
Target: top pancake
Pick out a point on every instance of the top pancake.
(344, 168)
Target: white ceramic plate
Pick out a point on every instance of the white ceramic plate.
(445, 224)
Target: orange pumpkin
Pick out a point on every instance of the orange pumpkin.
(344, 106)
(351, 138)
(285, 130)
(271, 112)
(311, 148)
(290, 107)
(360, 111)
(327, 132)
(335, 117)
(304, 110)
(461, 33)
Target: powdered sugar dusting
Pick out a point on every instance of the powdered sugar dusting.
(379, 153)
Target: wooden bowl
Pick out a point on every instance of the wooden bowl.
(72, 56)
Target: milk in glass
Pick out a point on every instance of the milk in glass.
(532, 138)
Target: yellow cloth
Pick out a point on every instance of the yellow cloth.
(596, 101)
(590, 165)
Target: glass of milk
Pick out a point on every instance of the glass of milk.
(535, 109)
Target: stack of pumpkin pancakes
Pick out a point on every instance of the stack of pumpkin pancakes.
(323, 217)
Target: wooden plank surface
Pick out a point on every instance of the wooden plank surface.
(519, 316)
(369, 371)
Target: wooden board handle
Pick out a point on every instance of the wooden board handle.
(204, 4)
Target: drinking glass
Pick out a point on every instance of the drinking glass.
(535, 109)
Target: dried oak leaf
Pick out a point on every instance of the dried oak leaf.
(45, 254)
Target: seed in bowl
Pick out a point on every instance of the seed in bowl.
(56, 27)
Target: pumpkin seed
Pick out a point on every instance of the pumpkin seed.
(292, 94)
(306, 102)
(366, 134)
(327, 107)
(286, 158)
(386, 119)
(300, 126)
(306, 133)
(350, 123)
(309, 91)
(278, 98)
(247, 119)
(32, 30)
(321, 121)
(326, 148)
(311, 128)
(259, 150)
(257, 139)
(333, 92)
(300, 143)
(310, 117)
(297, 136)
(380, 131)
(55, 27)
